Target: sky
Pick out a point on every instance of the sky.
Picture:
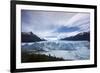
(52, 25)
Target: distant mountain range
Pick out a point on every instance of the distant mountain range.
(30, 37)
(79, 37)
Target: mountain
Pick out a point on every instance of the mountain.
(79, 37)
(30, 37)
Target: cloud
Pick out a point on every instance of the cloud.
(44, 20)
(80, 20)
(54, 25)
(68, 34)
(67, 29)
(77, 24)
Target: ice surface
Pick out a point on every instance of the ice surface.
(68, 50)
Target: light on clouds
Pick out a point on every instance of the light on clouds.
(53, 25)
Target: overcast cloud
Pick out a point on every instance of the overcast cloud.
(54, 25)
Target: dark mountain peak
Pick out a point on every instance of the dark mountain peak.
(79, 37)
(27, 33)
(30, 37)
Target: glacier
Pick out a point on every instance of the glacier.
(68, 50)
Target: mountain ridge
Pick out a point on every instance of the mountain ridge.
(80, 36)
(30, 37)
